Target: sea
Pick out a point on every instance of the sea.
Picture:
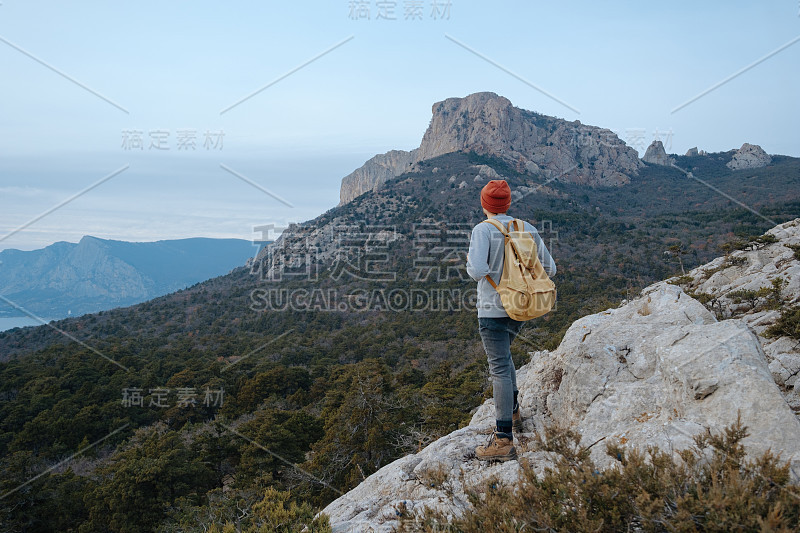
(19, 322)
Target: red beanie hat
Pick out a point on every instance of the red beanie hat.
(496, 196)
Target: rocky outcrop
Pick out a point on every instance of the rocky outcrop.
(374, 173)
(656, 155)
(691, 152)
(732, 284)
(657, 370)
(749, 156)
(488, 124)
(485, 172)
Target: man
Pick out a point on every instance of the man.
(497, 329)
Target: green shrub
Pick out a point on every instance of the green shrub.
(681, 280)
(787, 325)
(711, 487)
(753, 242)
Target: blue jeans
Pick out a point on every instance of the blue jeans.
(497, 335)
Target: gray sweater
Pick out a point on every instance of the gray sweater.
(486, 251)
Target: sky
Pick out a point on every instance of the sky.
(149, 120)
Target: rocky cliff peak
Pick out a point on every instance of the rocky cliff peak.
(480, 122)
(749, 156)
(488, 124)
(375, 172)
(656, 154)
(656, 370)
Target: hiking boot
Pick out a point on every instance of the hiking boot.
(516, 420)
(499, 448)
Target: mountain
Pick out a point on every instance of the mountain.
(658, 370)
(351, 341)
(488, 124)
(97, 274)
(608, 240)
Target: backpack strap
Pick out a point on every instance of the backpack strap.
(498, 225)
(518, 225)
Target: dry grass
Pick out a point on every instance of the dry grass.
(711, 487)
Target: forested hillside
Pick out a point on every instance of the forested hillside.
(204, 400)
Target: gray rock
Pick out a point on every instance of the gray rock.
(656, 155)
(532, 168)
(657, 370)
(488, 172)
(374, 173)
(785, 368)
(489, 124)
(692, 152)
(751, 270)
(749, 156)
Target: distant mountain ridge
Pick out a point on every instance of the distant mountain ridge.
(536, 145)
(488, 124)
(98, 274)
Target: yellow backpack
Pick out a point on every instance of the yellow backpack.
(525, 289)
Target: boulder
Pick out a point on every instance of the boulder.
(754, 269)
(488, 172)
(749, 156)
(657, 370)
(656, 155)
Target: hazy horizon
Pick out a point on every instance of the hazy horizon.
(295, 98)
